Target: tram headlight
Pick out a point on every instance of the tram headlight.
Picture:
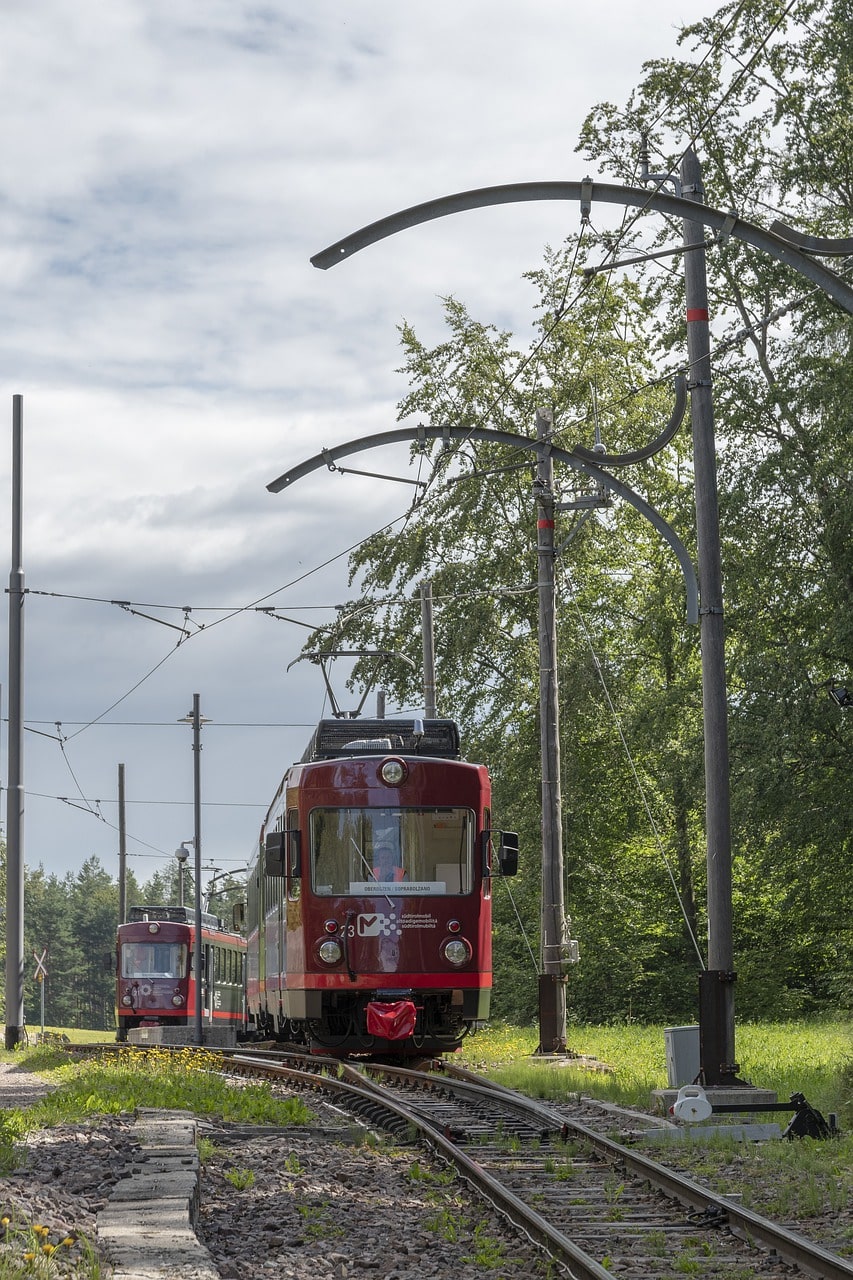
(330, 951)
(127, 1001)
(393, 772)
(457, 951)
(177, 1001)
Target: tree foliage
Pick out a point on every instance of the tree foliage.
(764, 94)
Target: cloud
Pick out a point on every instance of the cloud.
(169, 169)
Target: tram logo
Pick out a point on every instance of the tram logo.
(375, 924)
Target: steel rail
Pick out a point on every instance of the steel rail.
(788, 1244)
(353, 1083)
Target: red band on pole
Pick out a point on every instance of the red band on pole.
(697, 313)
(544, 524)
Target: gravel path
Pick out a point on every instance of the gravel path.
(319, 1206)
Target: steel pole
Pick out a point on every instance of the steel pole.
(428, 650)
(716, 1013)
(552, 983)
(197, 959)
(122, 849)
(15, 791)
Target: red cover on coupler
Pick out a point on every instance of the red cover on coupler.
(391, 1021)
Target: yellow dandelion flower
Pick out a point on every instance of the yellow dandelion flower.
(48, 1249)
(29, 1257)
(4, 1222)
(69, 1241)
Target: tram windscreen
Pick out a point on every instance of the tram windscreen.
(402, 851)
(153, 960)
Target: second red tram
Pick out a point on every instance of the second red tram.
(369, 903)
(155, 979)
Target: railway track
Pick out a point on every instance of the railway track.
(596, 1205)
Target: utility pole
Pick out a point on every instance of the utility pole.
(552, 982)
(122, 849)
(716, 983)
(195, 718)
(429, 650)
(198, 958)
(15, 790)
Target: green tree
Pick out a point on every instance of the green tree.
(765, 95)
(48, 925)
(93, 913)
(768, 94)
(473, 535)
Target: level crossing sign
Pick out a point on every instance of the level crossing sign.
(41, 969)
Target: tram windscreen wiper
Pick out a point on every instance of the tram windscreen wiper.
(365, 864)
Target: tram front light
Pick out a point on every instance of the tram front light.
(330, 951)
(457, 951)
(393, 772)
(127, 1001)
(177, 1001)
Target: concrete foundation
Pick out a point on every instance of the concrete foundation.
(708, 1131)
(217, 1037)
(147, 1228)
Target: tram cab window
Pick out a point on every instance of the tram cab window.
(153, 960)
(402, 851)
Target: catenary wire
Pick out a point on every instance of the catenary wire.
(227, 617)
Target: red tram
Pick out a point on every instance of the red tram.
(369, 903)
(155, 982)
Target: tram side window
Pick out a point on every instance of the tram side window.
(487, 879)
(252, 904)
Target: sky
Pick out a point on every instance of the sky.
(169, 168)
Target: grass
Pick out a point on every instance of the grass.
(185, 1079)
(789, 1057)
(75, 1035)
(27, 1252)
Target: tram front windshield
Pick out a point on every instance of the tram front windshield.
(409, 851)
(153, 960)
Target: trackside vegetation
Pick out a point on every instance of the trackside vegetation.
(800, 1180)
(128, 1078)
(805, 1181)
(764, 94)
(624, 1063)
(106, 1085)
